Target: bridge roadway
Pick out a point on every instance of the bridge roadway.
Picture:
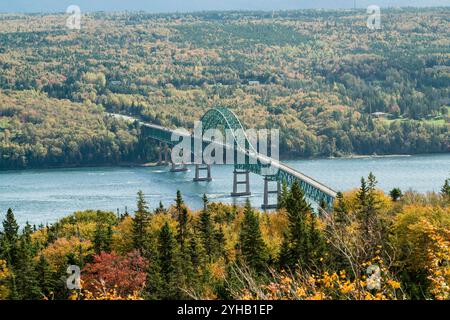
(280, 172)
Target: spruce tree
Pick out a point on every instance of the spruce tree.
(282, 197)
(46, 277)
(140, 223)
(26, 275)
(168, 264)
(102, 237)
(445, 191)
(297, 210)
(10, 237)
(341, 210)
(395, 194)
(160, 209)
(206, 228)
(367, 214)
(316, 242)
(182, 219)
(367, 205)
(219, 243)
(284, 257)
(252, 246)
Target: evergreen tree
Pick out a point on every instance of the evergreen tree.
(284, 258)
(253, 248)
(160, 209)
(10, 237)
(219, 243)
(182, 219)
(205, 202)
(140, 223)
(297, 211)
(25, 272)
(367, 214)
(367, 205)
(341, 210)
(46, 277)
(102, 237)
(446, 188)
(168, 264)
(395, 194)
(282, 197)
(316, 243)
(206, 228)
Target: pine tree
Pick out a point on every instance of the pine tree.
(341, 210)
(102, 237)
(205, 202)
(367, 213)
(219, 243)
(10, 237)
(395, 194)
(194, 256)
(446, 188)
(316, 243)
(160, 209)
(179, 202)
(206, 228)
(297, 211)
(253, 248)
(46, 277)
(284, 258)
(26, 276)
(182, 219)
(140, 223)
(282, 197)
(168, 264)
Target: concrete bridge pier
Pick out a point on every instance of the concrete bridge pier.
(178, 167)
(164, 152)
(236, 182)
(267, 192)
(202, 167)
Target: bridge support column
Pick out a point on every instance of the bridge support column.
(267, 192)
(236, 182)
(163, 154)
(178, 167)
(202, 167)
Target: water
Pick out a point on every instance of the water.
(44, 196)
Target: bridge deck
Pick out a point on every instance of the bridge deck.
(319, 191)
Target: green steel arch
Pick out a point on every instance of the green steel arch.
(223, 118)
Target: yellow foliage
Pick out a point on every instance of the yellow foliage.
(439, 256)
(4, 274)
(157, 221)
(122, 238)
(272, 228)
(327, 286)
(412, 233)
(56, 253)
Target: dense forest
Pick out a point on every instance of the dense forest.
(332, 86)
(369, 246)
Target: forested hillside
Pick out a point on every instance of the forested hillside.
(36, 131)
(319, 76)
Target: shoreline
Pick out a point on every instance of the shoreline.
(155, 164)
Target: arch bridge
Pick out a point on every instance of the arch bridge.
(273, 171)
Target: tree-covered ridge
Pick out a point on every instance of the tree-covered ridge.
(37, 131)
(229, 252)
(317, 75)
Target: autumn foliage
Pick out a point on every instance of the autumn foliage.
(124, 275)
